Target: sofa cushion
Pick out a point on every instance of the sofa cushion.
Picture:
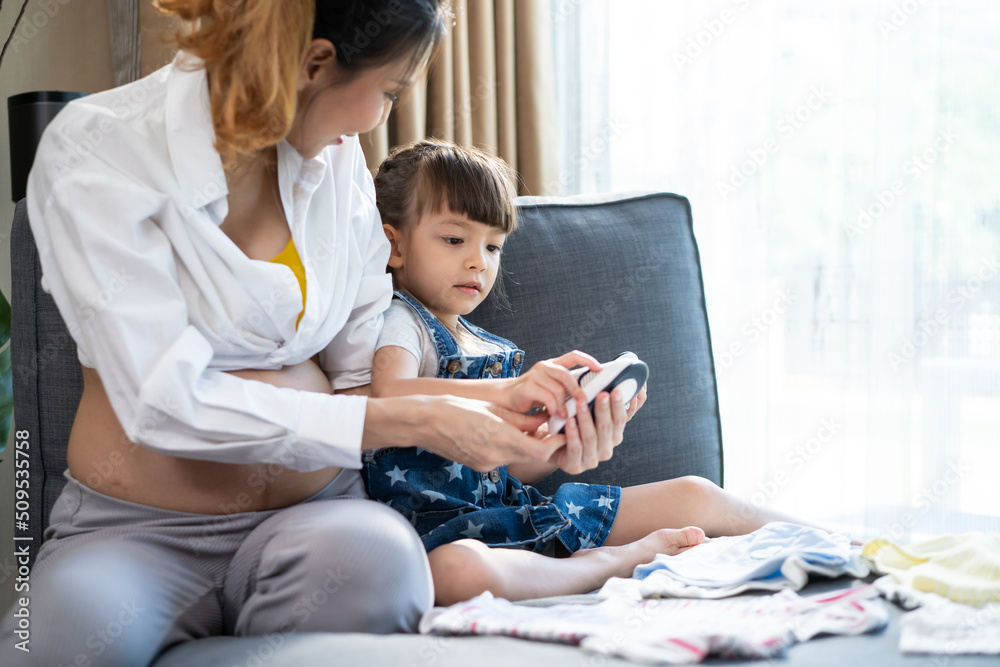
(611, 273)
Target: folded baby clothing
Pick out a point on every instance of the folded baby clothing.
(670, 632)
(951, 629)
(777, 556)
(963, 568)
(952, 583)
(939, 625)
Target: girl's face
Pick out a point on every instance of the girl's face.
(334, 104)
(446, 260)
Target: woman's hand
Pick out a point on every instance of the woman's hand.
(473, 432)
(546, 384)
(588, 439)
(636, 403)
(592, 439)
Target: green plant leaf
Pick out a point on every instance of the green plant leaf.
(4, 320)
(6, 396)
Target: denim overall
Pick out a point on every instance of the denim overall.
(447, 501)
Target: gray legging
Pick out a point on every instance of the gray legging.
(116, 583)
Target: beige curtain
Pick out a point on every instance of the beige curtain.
(155, 29)
(492, 87)
(123, 20)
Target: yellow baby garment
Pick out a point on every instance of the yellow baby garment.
(964, 568)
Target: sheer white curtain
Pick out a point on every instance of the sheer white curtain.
(843, 165)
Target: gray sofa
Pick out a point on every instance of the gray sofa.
(600, 274)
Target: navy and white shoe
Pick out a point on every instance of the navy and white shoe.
(626, 373)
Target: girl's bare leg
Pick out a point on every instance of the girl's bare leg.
(646, 524)
(688, 501)
(466, 568)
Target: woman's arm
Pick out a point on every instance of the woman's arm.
(409, 421)
(458, 429)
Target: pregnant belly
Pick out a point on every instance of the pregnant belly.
(101, 456)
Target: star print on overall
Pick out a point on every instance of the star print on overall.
(447, 501)
(397, 475)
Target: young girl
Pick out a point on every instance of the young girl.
(447, 211)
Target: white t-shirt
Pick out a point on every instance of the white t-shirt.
(125, 201)
(403, 328)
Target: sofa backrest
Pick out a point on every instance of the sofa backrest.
(609, 273)
(602, 275)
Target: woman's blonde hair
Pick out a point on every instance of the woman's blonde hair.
(425, 176)
(253, 51)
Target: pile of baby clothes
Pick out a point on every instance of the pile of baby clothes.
(953, 585)
(623, 621)
(670, 632)
(777, 556)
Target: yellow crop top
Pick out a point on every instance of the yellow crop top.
(290, 258)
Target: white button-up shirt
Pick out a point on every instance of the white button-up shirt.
(125, 200)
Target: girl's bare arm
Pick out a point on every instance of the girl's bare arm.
(395, 370)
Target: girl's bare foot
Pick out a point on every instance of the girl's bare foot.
(669, 541)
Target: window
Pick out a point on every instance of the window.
(842, 164)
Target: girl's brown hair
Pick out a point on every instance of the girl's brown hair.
(253, 50)
(423, 177)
